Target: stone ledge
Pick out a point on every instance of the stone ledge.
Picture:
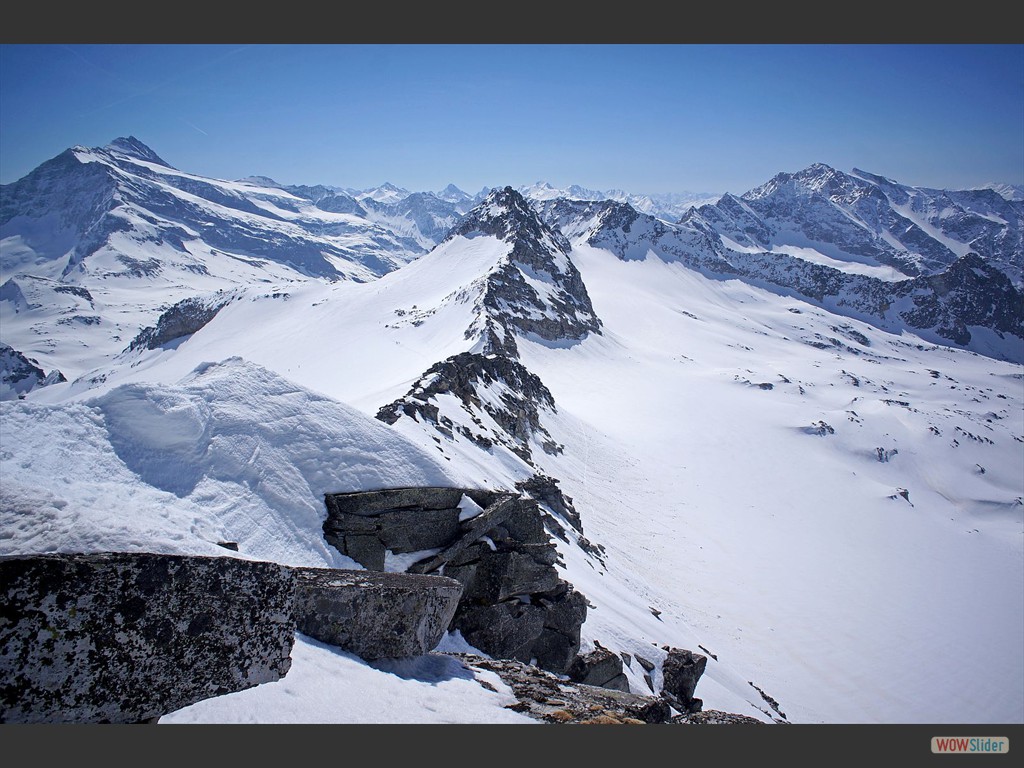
(121, 637)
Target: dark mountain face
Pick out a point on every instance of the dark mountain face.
(563, 311)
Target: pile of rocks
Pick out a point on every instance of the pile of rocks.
(513, 605)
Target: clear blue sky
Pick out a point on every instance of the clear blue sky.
(641, 117)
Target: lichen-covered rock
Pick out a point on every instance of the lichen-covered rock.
(551, 699)
(375, 615)
(124, 637)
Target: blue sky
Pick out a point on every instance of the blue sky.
(641, 117)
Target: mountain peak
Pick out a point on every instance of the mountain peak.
(132, 147)
(507, 215)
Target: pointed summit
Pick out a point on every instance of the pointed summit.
(507, 215)
(132, 147)
(538, 256)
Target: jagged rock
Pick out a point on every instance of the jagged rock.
(375, 615)
(515, 399)
(124, 637)
(545, 490)
(19, 375)
(513, 603)
(548, 698)
(600, 667)
(559, 641)
(714, 717)
(645, 663)
(680, 672)
(184, 318)
(364, 525)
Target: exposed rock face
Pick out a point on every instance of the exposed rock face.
(470, 376)
(680, 672)
(19, 375)
(513, 604)
(600, 667)
(562, 308)
(127, 637)
(184, 318)
(375, 615)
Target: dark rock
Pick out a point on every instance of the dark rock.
(182, 319)
(680, 672)
(125, 637)
(559, 642)
(232, 545)
(375, 615)
(506, 630)
(472, 530)
(497, 385)
(513, 604)
(545, 490)
(647, 665)
(600, 667)
(369, 503)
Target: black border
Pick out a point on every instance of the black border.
(482, 745)
(518, 21)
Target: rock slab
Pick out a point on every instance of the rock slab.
(124, 637)
(375, 615)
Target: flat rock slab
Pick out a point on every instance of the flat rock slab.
(375, 615)
(124, 637)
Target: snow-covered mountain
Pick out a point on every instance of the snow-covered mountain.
(865, 218)
(800, 235)
(669, 206)
(734, 455)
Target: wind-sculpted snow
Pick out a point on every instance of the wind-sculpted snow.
(230, 453)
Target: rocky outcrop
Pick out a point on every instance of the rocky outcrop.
(127, 637)
(497, 387)
(19, 375)
(551, 699)
(374, 615)
(183, 319)
(680, 672)
(513, 604)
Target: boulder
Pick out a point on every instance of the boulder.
(559, 641)
(600, 667)
(375, 615)
(680, 672)
(121, 637)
